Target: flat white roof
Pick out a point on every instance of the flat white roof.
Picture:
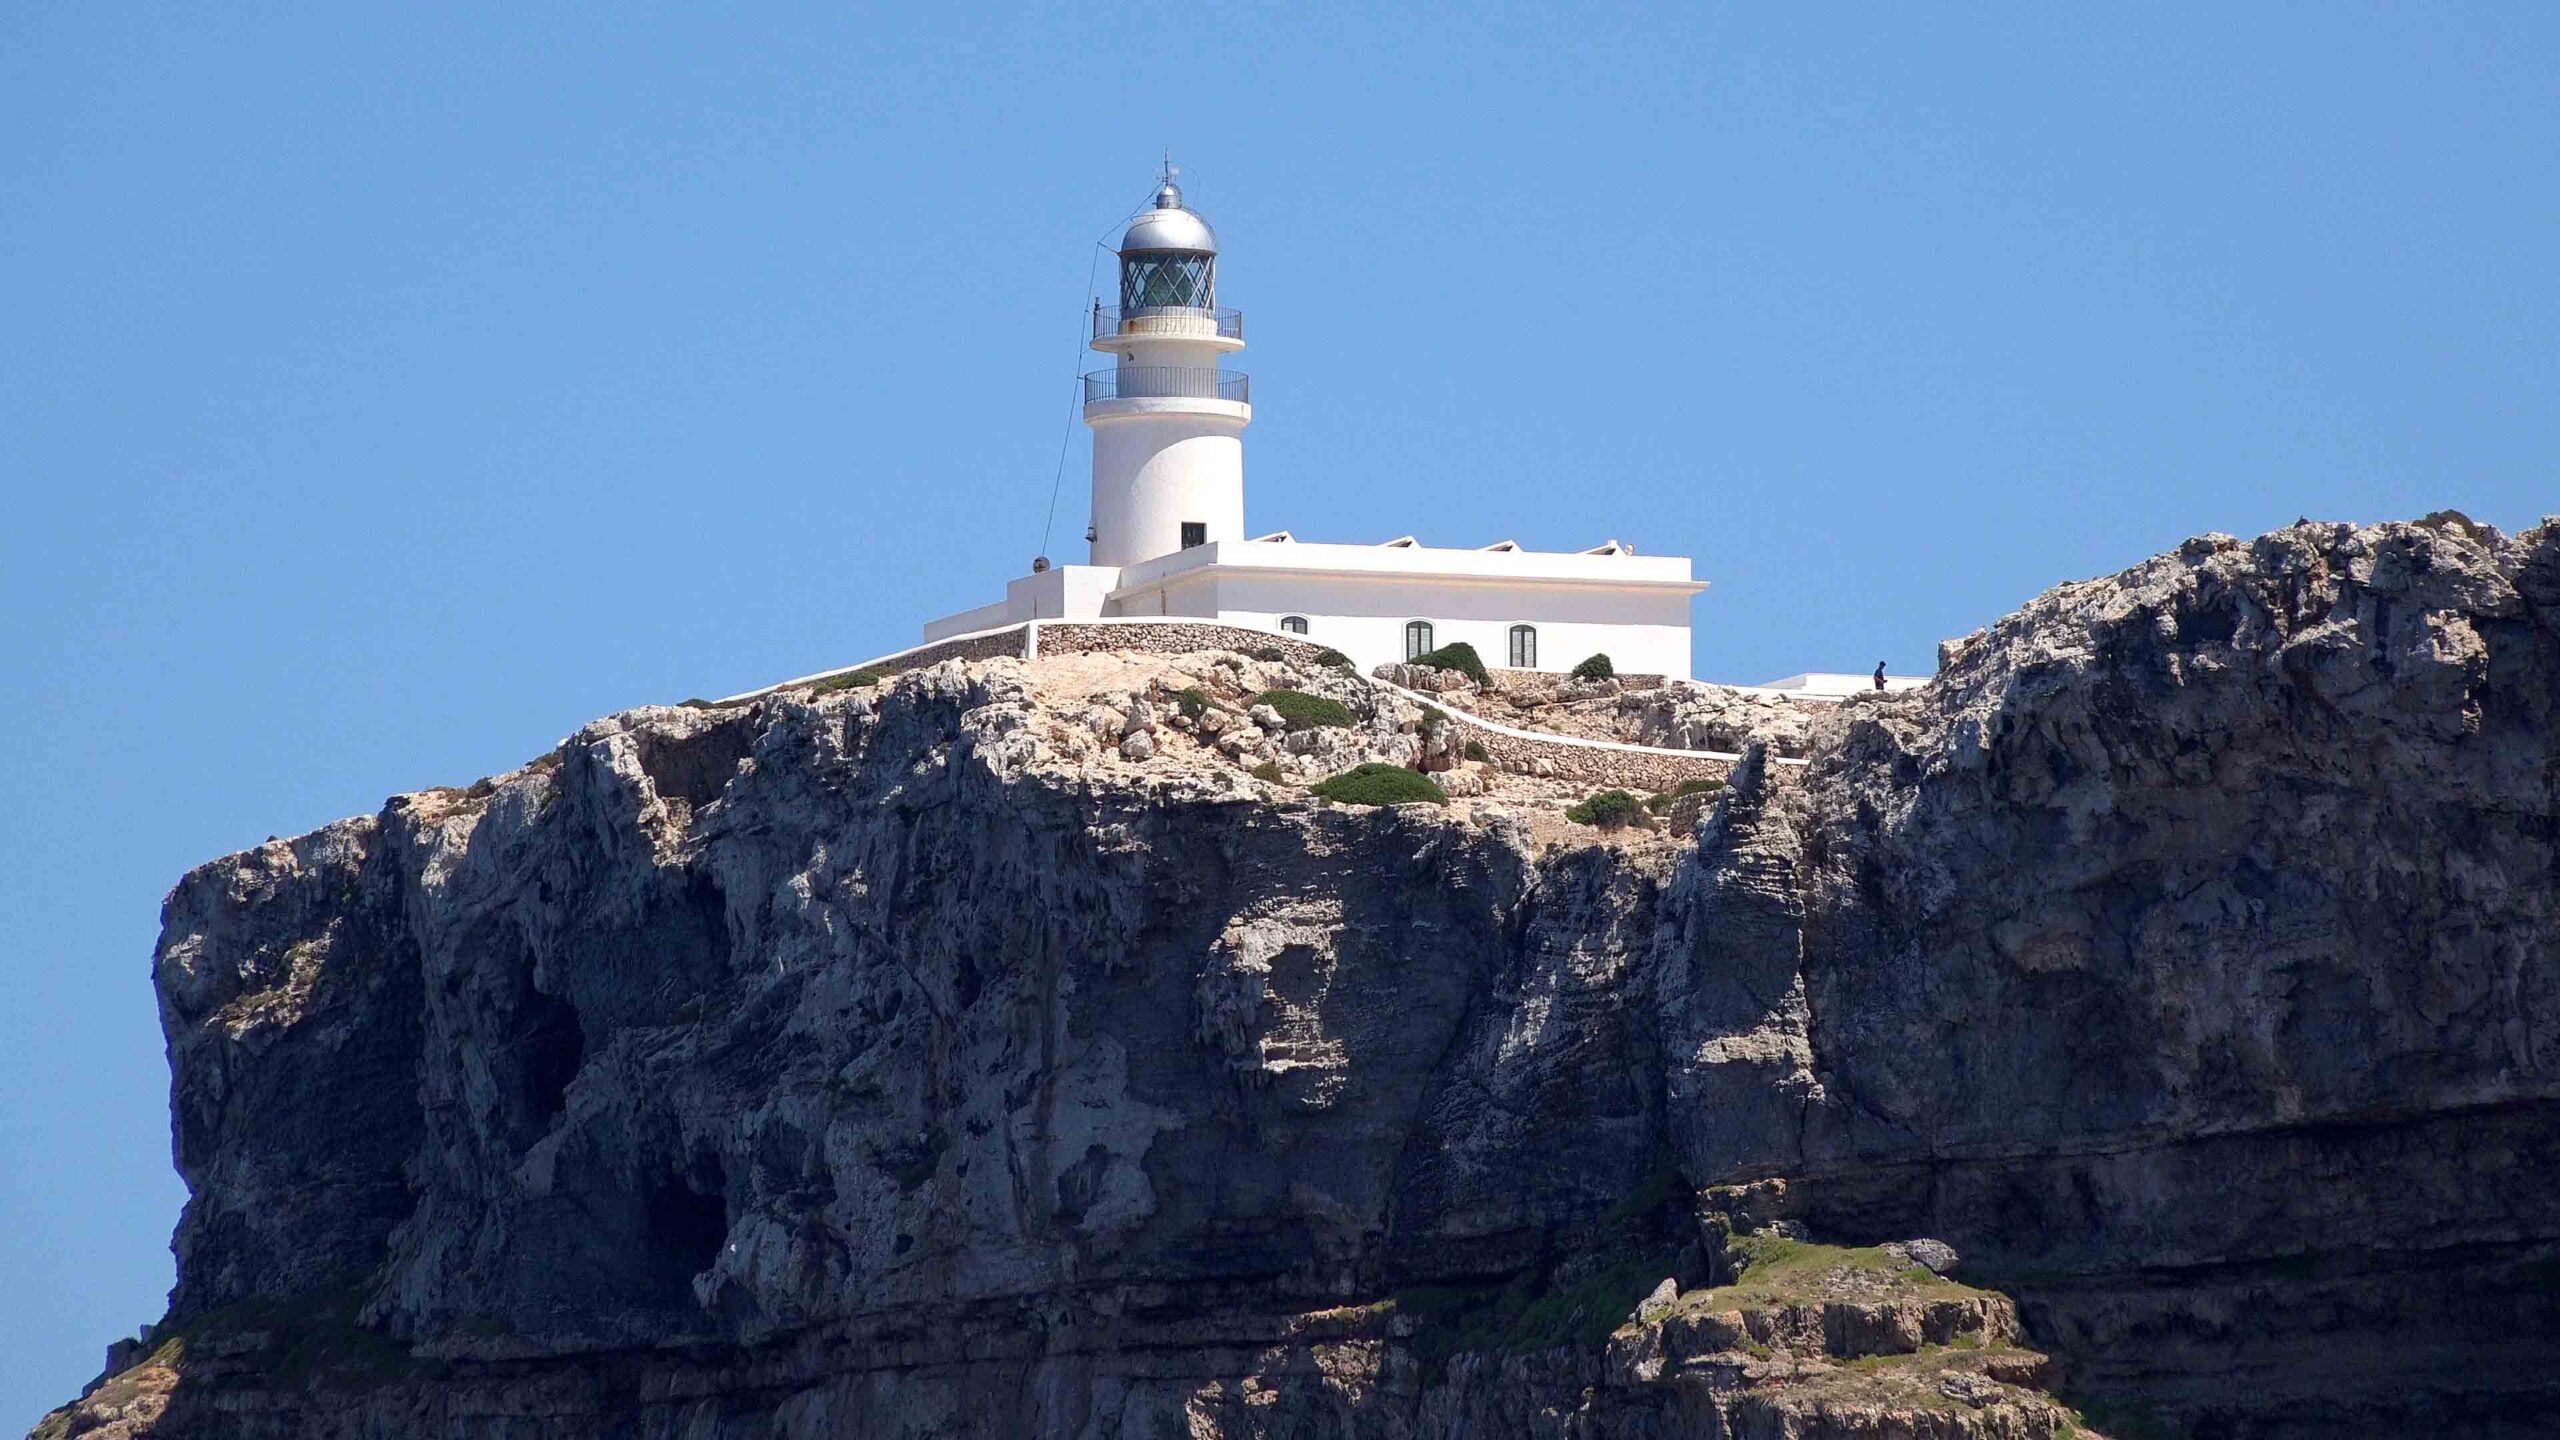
(1420, 562)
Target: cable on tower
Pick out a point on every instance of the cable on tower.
(1075, 380)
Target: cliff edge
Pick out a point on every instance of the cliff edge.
(2154, 1022)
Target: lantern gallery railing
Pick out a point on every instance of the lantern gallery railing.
(1167, 382)
(1174, 322)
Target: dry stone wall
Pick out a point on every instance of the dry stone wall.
(1010, 643)
(1066, 637)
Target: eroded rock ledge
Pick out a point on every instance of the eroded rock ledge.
(888, 1062)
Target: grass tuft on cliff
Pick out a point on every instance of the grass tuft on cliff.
(1778, 1272)
(1303, 711)
(850, 680)
(1459, 656)
(1608, 810)
(1661, 804)
(1376, 784)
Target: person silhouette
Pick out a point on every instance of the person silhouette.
(1879, 674)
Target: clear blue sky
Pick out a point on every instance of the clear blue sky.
(385, 391)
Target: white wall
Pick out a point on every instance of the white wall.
(1062, 592)
(1358, 599)
(1641, 631)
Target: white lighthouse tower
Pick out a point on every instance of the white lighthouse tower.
(1168, 424)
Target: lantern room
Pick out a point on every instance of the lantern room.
(1168, 258)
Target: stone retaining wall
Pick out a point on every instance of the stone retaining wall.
(1012, 642)
(1548, 682)
(1168, 637)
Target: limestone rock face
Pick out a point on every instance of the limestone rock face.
(1686, 715)
(1673, 714)
(2186, 957)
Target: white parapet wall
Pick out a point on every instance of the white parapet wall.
(1362, 599)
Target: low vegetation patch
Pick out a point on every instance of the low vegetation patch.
(1790, 1272)
(1302, 711)
(1335, 658)
(1608, 810)
(1596, 667)
(849, 680)
(1191, 702)
(1476, 752)
(1459, 656)
(1376, 784)
(1267, 772)
(1661, 804)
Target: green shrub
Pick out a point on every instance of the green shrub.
(850, 680)
(1609, 810)
(1661, 804)
(1267, 654)
(1434, 716)
(1268, 772)
(1459, 656)
(1595, 668)
(1477, 752)
(1335, 658)
(1303, 711)
(1191, 702)
(1376, 784)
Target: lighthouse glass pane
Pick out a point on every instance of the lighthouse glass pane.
(1168, 278)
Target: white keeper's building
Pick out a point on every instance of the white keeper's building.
(1169, 537)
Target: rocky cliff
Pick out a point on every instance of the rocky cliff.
(902, 1062)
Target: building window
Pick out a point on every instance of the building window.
(1194, 532)
(1524, 647)
(1294, 624)
(1417, 639)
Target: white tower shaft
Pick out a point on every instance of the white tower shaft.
(1168, 424)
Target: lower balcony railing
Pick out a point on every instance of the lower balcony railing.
(1167, 382)
(1170, 322)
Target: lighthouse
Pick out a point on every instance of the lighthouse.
(1169, 543)
(1168, 422)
